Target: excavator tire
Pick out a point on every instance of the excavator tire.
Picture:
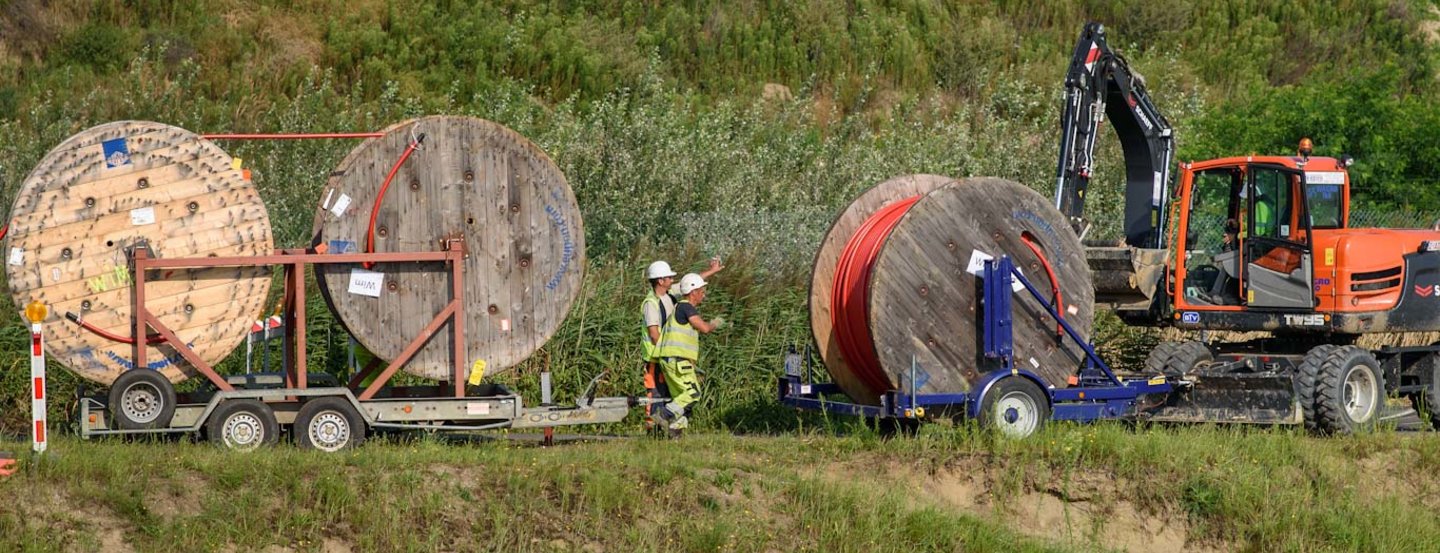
(1186, 357)
(1306, 378)
(1155, 362)
(1349, 392)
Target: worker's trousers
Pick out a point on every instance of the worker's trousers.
(680, 378)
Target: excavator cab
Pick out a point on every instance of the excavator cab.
(1245, 230)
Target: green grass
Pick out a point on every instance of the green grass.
(948, 489)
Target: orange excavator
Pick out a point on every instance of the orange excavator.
(1251, 244)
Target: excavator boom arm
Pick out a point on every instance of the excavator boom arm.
(1100, 84)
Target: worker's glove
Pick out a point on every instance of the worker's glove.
(718, 323)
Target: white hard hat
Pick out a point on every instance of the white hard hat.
(690, 283)
(659, 269)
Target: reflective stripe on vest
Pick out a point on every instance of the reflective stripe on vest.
(651, 351)
(679, 340)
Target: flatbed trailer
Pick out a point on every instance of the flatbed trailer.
(252, 410)
(1011, 399)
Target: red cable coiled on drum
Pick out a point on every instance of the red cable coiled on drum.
(850, 294)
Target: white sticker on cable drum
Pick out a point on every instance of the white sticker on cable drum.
(1072, 310)
(55, 274)
(366, 283)
(505, 325)
(329, 195)
(340, 204)
(142, 216)
(17, 256)
(1034, 363)
(977, 267)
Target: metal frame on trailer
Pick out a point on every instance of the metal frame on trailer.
(1095, 393)
(439, 407)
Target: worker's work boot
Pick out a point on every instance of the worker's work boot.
(676, 419)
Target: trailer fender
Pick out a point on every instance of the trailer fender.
(988, 380)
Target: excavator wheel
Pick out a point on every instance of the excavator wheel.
(1155, 362)
(1305, 380)
(1186, 357)
(1349, 391)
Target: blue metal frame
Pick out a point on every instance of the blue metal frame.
(1097, 394)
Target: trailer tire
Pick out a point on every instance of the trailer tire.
(1349, 392)
(1159, 357)
(1015, 407)
(1307, 378)
(141, 399)
(328, 424)
(242, 425)
(1186, 357)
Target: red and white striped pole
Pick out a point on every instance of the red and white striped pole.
(36, 312)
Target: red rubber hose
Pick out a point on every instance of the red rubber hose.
(375, 210)
(149, 340)
(1054, 282)
(849, 294)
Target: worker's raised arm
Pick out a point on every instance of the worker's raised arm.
(715, 267)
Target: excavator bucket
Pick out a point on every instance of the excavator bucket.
(1127, 280)
(1251, 398)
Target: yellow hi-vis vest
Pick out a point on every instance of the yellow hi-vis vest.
(679, 340)
(649, 350)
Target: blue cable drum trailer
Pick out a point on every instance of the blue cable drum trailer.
(1010, 399)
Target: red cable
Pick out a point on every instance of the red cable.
(293, 136)
(1054, 282)
(149, 340)
(850, 294)
(375, 210)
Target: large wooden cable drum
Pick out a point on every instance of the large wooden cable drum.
(921, 302)
(104, 191)
(470, 179)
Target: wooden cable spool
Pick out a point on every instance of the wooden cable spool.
(921, 303)
(470, 179)
(99, 194)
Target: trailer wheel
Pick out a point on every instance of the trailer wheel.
(1015, 406)
(242, 425)
(1349, 392)
(1156, 361)
(1306, 378)
(328, 424)
(141, 399)
(1187, 356)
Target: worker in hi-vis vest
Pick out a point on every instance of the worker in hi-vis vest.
(659, 302)
(680, 351)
